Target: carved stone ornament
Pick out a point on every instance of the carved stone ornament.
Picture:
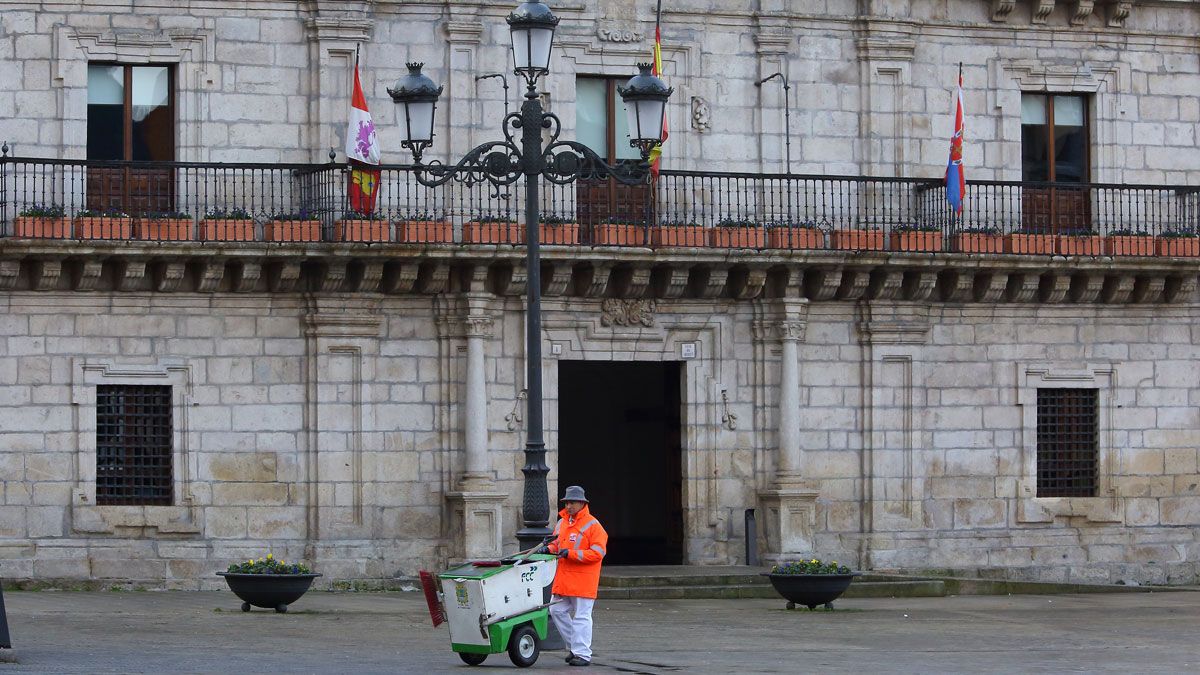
(615, 312)
(1002, 8)
(701, 117)
(611, 32)
(1042, 10)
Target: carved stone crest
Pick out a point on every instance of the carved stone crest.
(616, 312)
(700, 114)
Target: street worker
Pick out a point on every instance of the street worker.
(580, 542)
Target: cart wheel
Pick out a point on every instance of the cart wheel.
(471, 658)
(523, 647)
(281, 608)
(791, 605)
(245, 607)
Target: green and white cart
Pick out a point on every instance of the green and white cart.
(496, 606)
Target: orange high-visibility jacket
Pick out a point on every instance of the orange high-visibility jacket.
(586, 542)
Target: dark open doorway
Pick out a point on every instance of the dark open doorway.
(620, 438)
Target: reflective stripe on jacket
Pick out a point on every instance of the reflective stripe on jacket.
(586, 542)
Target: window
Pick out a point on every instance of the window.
(1067, 442)
(601, 123)
(133, 445)
(130, 117)
(1054, 138)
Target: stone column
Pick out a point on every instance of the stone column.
(477, 506)
(789, 505)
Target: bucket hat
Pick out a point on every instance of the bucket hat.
(574, 493)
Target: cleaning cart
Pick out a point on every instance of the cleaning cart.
(492, 606)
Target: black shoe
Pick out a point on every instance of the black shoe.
(569, 657)
(576, 661)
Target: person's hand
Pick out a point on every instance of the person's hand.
(564, 553)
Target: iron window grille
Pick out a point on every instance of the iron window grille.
(1067, 442)
(133, 445)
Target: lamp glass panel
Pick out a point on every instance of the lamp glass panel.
(420, 122)
(622, 132)
(541, 42)
(650, 119)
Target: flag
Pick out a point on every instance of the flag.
(956, 178)
(362, 149)
(656, 152)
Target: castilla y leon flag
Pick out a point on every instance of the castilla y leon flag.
(656, 153)
(956, 179)
(362, 149)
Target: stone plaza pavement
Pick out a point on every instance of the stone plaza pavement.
(205, 632)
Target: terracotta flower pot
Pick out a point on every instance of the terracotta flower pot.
(738, 237)
(475, 232)
(915, 240)
(227, 229)
(357, 229)
(1075, 245)
(977, 242)
(292, 230)
(1129, 244)
(1036, 244)
(856, 240)
(103, 227)
(41, 227)
(560, 234)
(678, 235)
(165, 229)
(795, 237)
(619, 234)
(1177, 247)
(424, 231)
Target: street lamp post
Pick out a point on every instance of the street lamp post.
(504, 162)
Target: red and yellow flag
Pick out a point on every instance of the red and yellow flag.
(656, 153)
(362, 150)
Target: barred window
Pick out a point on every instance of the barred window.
(133, 445)
(1067, 442)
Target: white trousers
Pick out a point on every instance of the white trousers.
(573, 618)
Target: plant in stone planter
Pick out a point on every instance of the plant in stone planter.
(268, 582)
(738, 233)
(556, 230)
(1129, 242)
(983, 239)
(857, 239)
(423, 228)
(915, 237)
(165, 226)
(1183, 242)
(489, 229)
(357, 226)
(810, 582)
(42, 221)
(103, 224)
(292, 227)
(677, 233)
(1029, 241)
(790, 235)
(221, 224)
(1081, 241)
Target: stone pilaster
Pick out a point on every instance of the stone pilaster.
(333, 38)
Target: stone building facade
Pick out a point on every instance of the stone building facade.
(361, 407)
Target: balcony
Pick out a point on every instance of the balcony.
(689, 234)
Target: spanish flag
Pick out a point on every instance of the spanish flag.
(362, 150)
(656, 153)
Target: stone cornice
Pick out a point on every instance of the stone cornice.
(818, 276)
(340, 28)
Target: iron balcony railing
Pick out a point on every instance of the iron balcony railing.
(71, 199)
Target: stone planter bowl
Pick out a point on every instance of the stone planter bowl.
(811, 590)
(269, 591)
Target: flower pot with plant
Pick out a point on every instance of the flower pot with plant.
(292, 227)
(857, 239)
(103, 224)
(1029, 242)
(227, 225)
(1182, 242)
(734, 233)
(1129, 242)
(786, 234)
(356, 226)
(492, 230)
(42, 221)
(678, 233)
(977, 240)
(1080, 242)
(165, 226)
(557, 231)
(915, 237)
(424, 228)
(810, 582)
(618, 232)
(268, 582)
